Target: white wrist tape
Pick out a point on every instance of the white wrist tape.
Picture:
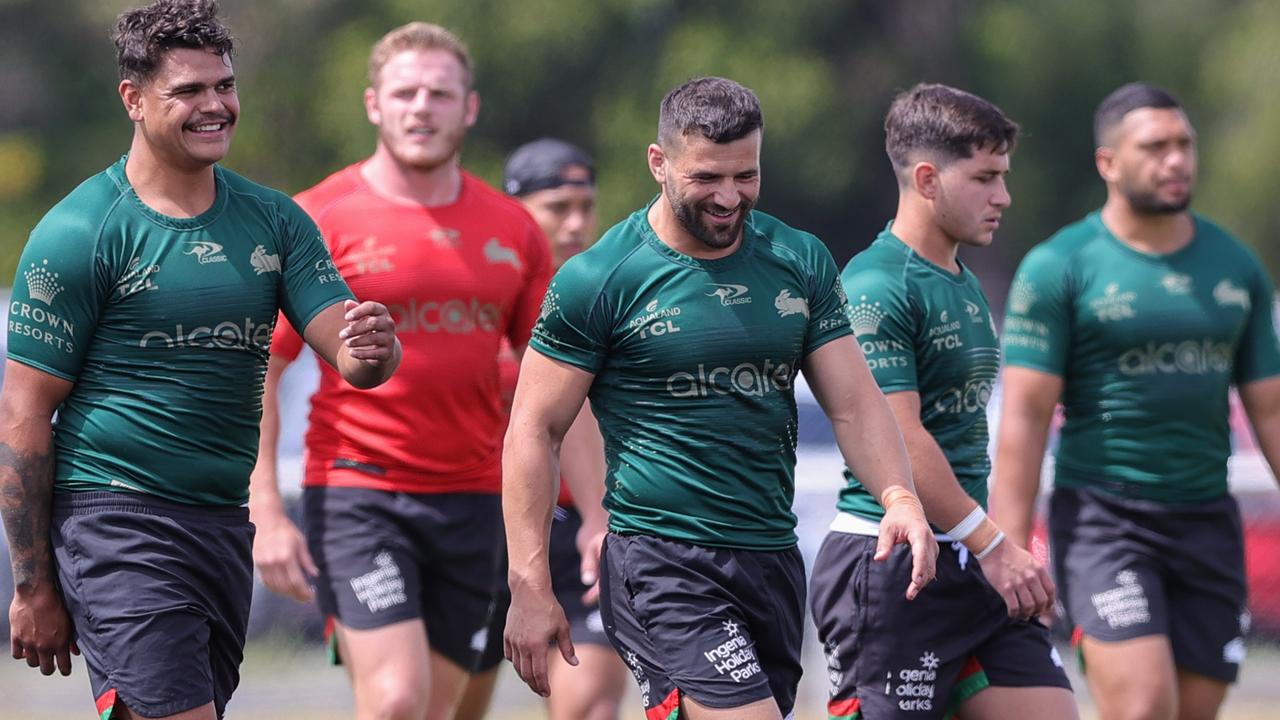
(991, 546)
(965, 527)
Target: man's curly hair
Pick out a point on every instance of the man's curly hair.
(143, 35)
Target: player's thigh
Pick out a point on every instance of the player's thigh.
(1019, 703)
(765, 709)
(390, 665)
(592, 690)
(1131, 679)
(448, 685)
(1199, 696)
(477, 695)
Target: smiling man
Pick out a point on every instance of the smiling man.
(142, 314)
(401, 497)
(1140, 318)
(686, 324)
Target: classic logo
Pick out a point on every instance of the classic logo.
(206, 252)
(975, 312)
(730, 294)
(1225, 293)
(262, 262)
(1022, 296)
(497, 253)
(787, 305)
(1176, 283)
(42, 283)
(865, 317)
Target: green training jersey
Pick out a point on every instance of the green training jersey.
(164, 325)
(926, 330)
(1148, 347)
(694, 362)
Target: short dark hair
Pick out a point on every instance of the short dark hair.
(1124, 100)
(947, 123)
(143, 35)
(716, 108)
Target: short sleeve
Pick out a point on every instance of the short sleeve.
(886, 326)
(1037, 320)
(528, 303)
(827, 318)
(311, 281)
(1258, 354)
(58, 294)
(571, 326)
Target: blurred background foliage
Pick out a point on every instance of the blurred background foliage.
(593, 71)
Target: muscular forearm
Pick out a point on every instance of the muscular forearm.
(582, 466)
(872, 446)
(529, 487)
(945, 502)
(26, 496)
(1019, 457)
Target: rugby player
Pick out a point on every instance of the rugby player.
(402, 486)
(971, 642)
(686, 325)
(142, 314)
(555, 181)
(1140, 318)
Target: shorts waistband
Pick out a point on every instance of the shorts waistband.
(93, 501)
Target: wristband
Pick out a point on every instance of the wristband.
(991, 546)
(965, 527)
(897, 494)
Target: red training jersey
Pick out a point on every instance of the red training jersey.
(457, 280)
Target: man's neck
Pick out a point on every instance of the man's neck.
(916, 228)
(173, 191)
(1160, 234)
(436, 187)
(672, 234)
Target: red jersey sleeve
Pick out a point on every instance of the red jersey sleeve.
(537, 251)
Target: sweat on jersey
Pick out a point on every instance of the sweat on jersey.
(164, 326)
(1148, 347)
(457, 280)
(694, 362)
(927, 330)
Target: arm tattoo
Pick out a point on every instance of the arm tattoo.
(26, 496)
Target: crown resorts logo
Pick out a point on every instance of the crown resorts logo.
(42, 283)
(865, 317)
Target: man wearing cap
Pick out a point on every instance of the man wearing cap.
(402, 488)
(555, 181)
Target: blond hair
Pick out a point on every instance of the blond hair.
(419, 36)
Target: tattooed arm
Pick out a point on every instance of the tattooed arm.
(39, 628)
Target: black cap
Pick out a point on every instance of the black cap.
(538, 166)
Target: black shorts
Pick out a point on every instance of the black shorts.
(893, 658)
(1128, 568)
(721, 626)
(387, 557)
(159, 595)
(585, 623)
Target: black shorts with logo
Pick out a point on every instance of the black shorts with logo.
(889, 657)
(720, 625)
(586, 626)
(159, 595)
(1128, 568)
(386, 557)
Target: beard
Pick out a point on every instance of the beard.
(1146, 202)
(425, 159)
(689, 214)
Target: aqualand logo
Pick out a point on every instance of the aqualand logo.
(730, 294)
(742, 379)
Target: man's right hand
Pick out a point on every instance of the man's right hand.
(535, 622)
(40, 630)
(904, 522)
(280, 552)
(1020, 579)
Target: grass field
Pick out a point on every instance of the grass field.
(283, 681)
